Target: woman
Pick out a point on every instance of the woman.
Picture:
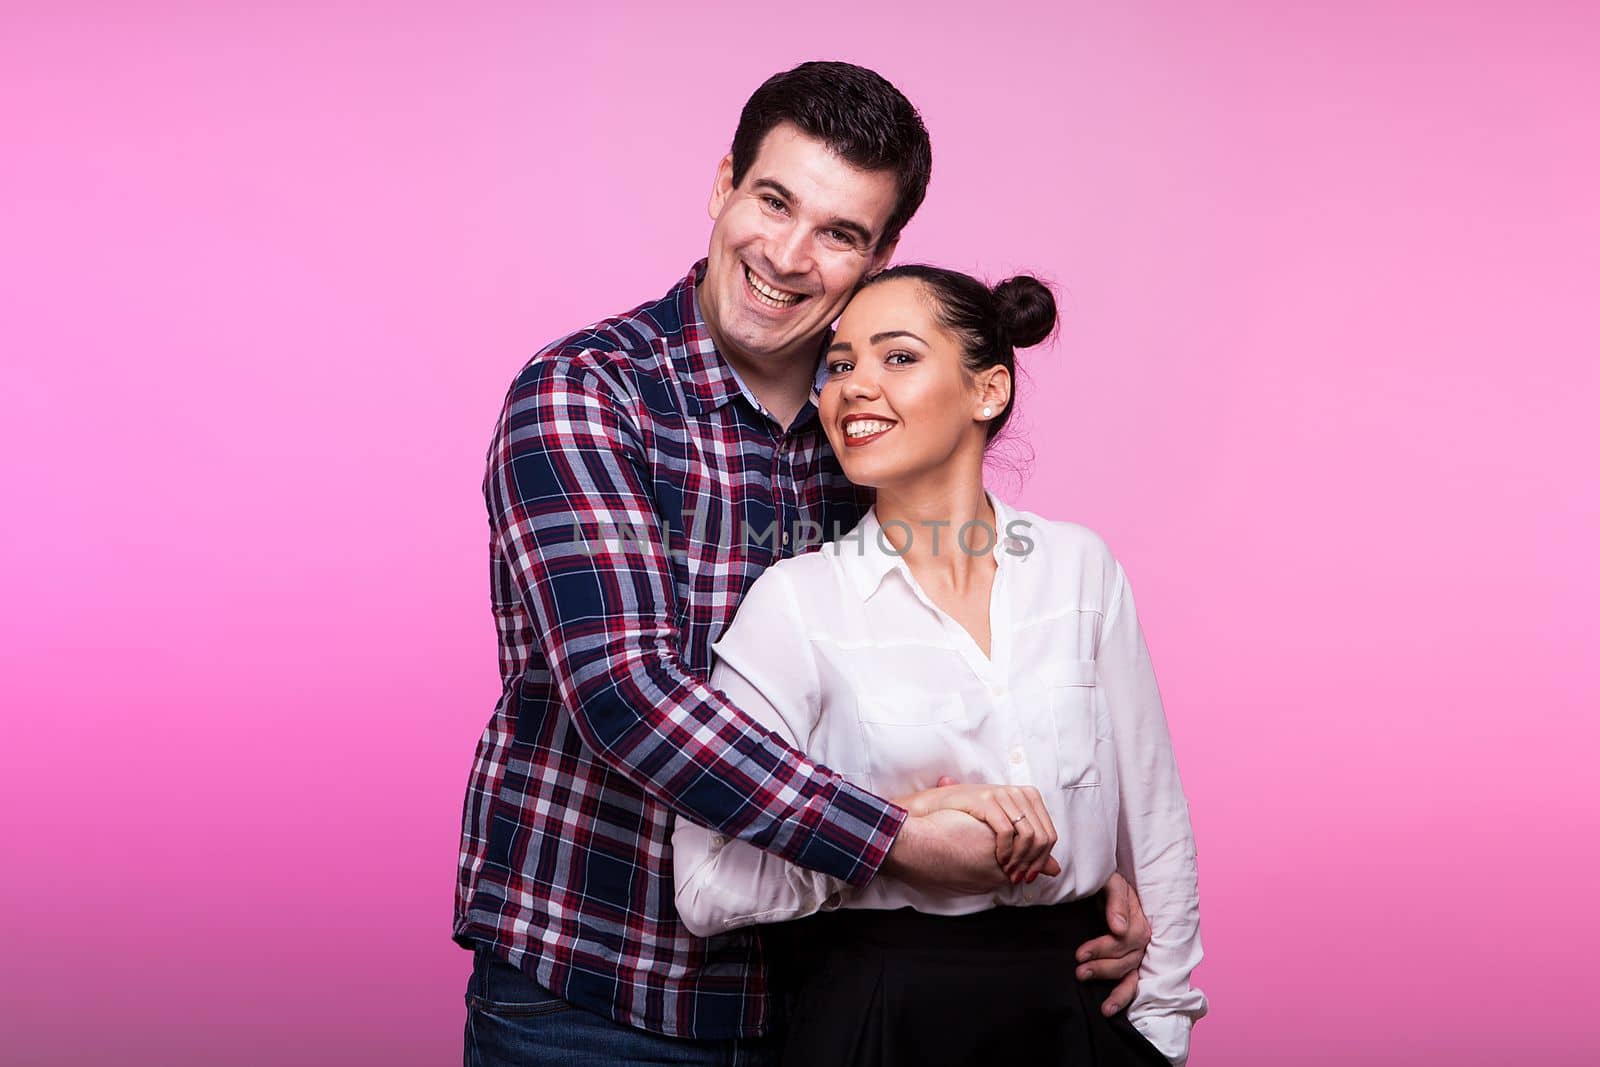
(952, 638)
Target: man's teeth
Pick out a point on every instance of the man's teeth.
(863, 427)
(769, 295)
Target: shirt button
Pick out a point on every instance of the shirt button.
(999, 690)
(1016, 755)
(718, 840)
(833, 901)
(786, 537)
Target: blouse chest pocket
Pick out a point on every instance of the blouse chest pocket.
(913, 738)
(1070, 697)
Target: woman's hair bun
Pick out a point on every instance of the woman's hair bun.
(1026, 309)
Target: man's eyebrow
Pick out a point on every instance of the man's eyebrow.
(775, 186)
(877, 338)
(839, 222)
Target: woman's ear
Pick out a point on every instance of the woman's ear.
(994, 391)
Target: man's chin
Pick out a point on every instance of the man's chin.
(767, 347)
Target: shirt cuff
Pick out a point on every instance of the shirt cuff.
(1168, 1033)
(852, 839)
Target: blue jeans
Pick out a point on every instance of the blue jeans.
(513, 1021)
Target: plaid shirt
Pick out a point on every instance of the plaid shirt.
(636, 489)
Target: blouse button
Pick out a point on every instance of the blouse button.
(1016, 755)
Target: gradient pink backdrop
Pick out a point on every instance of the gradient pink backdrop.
(1327, 382)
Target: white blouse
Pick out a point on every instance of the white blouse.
(843, 655)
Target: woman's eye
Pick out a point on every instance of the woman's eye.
(839, 366)
(906, 357)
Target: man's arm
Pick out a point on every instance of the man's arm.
(568, 454)
(765, 666)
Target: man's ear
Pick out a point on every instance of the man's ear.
(721, 188)
(881, 256)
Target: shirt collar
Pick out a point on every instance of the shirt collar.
(820, 378)
(707, 377)
(868, 556)
(709, 380)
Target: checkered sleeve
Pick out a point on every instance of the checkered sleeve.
(568, 490)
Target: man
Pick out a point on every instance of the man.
(643, 473)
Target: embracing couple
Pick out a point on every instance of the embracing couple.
(747, 800)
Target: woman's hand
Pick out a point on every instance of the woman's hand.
(1023, 833)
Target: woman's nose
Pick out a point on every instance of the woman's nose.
(862, 383)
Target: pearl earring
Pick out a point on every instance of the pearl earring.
(987, 412)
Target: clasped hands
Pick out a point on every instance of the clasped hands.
(1024, 834)
(976, 838)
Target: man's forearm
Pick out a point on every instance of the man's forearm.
(566, 457)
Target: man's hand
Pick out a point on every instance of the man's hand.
(1024, 835)
(1119, 953)
(945, 852)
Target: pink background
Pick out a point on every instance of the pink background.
(1327, 382)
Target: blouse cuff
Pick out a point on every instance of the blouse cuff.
(1168, 1033)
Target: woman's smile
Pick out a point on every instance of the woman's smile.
(864, 429)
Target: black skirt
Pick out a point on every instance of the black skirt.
(905, 989)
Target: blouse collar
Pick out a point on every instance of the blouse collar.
(868, 556)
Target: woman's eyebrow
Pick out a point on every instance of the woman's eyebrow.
(877, 338)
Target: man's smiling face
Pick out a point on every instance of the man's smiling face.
(789, 246)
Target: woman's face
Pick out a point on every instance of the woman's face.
(897, 402)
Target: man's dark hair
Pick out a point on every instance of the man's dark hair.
(857, 114)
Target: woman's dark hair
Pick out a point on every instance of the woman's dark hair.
(857, 114)
(992, 324)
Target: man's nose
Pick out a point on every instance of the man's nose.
(789, 252)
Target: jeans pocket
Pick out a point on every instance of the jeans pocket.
(518, 1009)
(499, 989)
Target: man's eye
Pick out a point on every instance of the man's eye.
(837, 236)
(773, 202)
